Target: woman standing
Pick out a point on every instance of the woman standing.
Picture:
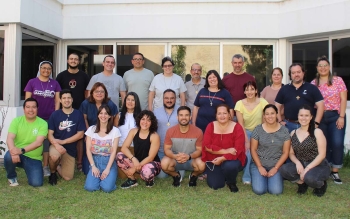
(333, 122)
(249, 114)
(309, 166)
(208, 98)
(223, 150)
(269, 146)
(167, 80)
(146, 145)
(46, 91)
(101, 147)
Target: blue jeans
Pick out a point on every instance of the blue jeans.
(262, 184)
(33, 169)
(291, 126)
(93, 183)
(247, 178)
(335, 138)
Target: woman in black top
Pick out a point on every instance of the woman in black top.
(146, 145)
(309, 166)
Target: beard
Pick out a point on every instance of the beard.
(72, 67)
(184, 124)
(169, 107)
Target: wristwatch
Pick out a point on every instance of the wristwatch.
(23, 150)
(189, 156)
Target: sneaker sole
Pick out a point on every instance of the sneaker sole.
(13, 184)
(136, 184)
(339, 183)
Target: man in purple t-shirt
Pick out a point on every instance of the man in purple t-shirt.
(234, 82)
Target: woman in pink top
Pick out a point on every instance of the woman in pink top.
(333, 122)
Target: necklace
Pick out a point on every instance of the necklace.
(211, 100)
(171, 81)
(272, 135)
(70, 112)
(168, 117)
(196, 87)
(44, 91)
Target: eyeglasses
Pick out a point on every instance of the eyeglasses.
(137, 59)
(167, 66)
(99, 92)
(44, 68)
(211, 169)
(196, 70)
(320, 66)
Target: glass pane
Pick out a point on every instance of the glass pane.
(34, 51)
(153, 57)
(258, 61)
(91, 57)
(208, 56)
(2, 45)
(341, 57)
(307, 54)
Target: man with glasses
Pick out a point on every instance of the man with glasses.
(112, 81)
(194, 85)
(139, 79)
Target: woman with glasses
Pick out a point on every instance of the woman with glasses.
(47, 92)
(163, 81)
(333, 122)
(89, 108)
(223, 150)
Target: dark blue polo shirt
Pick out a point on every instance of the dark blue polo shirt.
(293, 98)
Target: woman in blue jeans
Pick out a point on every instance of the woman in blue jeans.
(101, 147)
(269, 146)
(333, 122)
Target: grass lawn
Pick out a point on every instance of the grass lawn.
(70, 200)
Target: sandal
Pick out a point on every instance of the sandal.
(80, 167)
(202, 177)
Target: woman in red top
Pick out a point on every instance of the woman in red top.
(223, 150)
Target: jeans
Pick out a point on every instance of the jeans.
(291, 126)
(314, 178)
(227, 172)
(93, 183)
(335, 138)
(162, 174)
(33, 169)
(262, 184)
(247, 178)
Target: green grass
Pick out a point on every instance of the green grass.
(70, 200)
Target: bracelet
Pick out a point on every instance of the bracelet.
(91, 165)
(131, 158)
(317, 123)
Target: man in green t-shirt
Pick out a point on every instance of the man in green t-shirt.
(25, 143)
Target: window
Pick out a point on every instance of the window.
(2, 49)
(341, 57)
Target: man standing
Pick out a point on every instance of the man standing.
(194, 85)
(113, 82)
(234, 82)
(66, 127)
(183, 148)
(296, 94)
(139, 79)
(25, 143)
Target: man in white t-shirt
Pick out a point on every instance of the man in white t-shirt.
(139, 79)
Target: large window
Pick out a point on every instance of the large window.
(307, 54)
(341, 59)
(2, 49)
(258, 61)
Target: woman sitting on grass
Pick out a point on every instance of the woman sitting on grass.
(309, 166)
(101, 147)
(146, 145)
(269, 146)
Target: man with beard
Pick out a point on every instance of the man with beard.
(66, 127)
(183, 149)
(234, 82)
(166, 117)
(194, 85)
(296, 94)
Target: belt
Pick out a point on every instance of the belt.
(293, 121)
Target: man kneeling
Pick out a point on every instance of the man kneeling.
(182, 148)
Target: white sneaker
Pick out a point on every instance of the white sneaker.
(13, 182)
(46, 171)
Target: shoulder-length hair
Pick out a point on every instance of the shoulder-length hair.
(220, 84)
(91, 98)
(330, 76)
(311, 128)
(110, 120)
(149, 114)
(124, 110)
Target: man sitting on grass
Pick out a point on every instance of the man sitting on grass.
(182, 148)
(25, 143)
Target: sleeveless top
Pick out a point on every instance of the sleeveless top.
(305, 151)
(142, 147)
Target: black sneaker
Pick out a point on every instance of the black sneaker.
(53, 179)
(302, 188)
(177, 180)
(129, 183)
(193, 180)
(233, 187)
(150, 184)
(321, 191)
(336, 178)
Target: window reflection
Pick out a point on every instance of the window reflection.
(341, 57)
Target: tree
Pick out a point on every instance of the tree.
(178, 55)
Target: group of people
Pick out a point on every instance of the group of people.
(212, 127)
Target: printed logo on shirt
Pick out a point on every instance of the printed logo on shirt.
(64, 125)
(305, 92)
(72, 83)
(46, 93)
(35, 131)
